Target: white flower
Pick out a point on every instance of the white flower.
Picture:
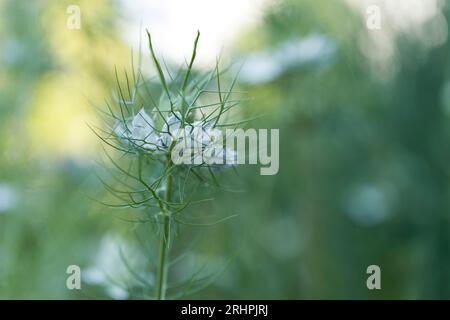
(206, 135)
(172, 123)
(121, 132)
(204, 143)
(173, 130)
(140, 131)
(143, 131)
(209, 146)
(170, 129)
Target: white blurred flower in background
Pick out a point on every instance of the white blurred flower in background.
(368, 205)
(314, 50)
(109, 269)
(8, 197)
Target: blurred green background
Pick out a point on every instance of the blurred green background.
(364, 149)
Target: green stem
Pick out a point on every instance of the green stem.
(164, 242)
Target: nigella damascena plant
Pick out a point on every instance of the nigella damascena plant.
(168, 140)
